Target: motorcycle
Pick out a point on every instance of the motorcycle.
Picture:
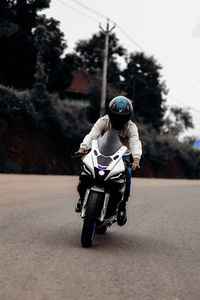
(102, 185)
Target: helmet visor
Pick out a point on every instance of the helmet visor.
(118, 121)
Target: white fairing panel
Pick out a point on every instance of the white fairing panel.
(118, 168)
(88, 161)
(115, 167)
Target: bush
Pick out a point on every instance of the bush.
(67, 118)
(16, 104)
(65, 123)
(57, 116)
(159, 150)
(7, 166)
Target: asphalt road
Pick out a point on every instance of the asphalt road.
(156, 255)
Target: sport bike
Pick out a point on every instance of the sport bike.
(102, 185)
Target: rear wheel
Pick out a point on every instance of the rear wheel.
(93, 211)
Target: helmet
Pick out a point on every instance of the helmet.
(120, 111)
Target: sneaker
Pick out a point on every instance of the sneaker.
(121, 216)
(78, 206)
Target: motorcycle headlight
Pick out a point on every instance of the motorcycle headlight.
(101, 173)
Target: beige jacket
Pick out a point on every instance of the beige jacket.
(128, 136)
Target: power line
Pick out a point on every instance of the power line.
(132, 40)
(105, 17)
(90, 9)
(83, 14)
(183, 104)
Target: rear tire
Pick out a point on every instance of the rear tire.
(93, 211)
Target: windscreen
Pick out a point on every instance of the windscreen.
(109, 143)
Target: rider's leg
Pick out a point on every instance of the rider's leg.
(81, 188)
(122, 217)
(128, 185)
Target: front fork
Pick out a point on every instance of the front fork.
(84, 203)
(105, 201)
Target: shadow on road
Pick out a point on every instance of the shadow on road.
(115, 240)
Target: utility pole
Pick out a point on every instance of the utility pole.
(105, 66)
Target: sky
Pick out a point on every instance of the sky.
(168, 30)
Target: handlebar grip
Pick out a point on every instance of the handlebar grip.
(127, 163)
(79, 155)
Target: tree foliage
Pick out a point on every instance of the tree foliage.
(90, 54)
(22, 45)
(94, 95)
(50, 44)
(17, 53)
(177, 121)
(142, 83)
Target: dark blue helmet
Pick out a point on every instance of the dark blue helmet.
(120, 111)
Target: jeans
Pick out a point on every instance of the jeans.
(128, 180)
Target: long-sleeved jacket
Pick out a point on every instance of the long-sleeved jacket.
(128, 136)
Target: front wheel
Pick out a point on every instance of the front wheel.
(102, 230)
(92, 213)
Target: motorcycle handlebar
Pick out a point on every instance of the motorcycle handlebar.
(128, 164)
(79, 155)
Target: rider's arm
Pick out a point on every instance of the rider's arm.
(135, 146)
(95, 132)
(134, 142)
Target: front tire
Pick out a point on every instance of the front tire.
(101, 230)
(93, 211)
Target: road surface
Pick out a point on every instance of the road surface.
(156, 255)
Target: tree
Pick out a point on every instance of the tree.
(56, 68)
(94, 94)
(142, 83)
(177, 121)
(90, 54)
(20, 49)
(39, 88)
(17, 51)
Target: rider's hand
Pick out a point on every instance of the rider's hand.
(136, 164)
(80, 151)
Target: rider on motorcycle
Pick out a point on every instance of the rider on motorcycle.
(118, 119)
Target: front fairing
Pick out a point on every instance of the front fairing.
(88, 162)
(108, 165)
